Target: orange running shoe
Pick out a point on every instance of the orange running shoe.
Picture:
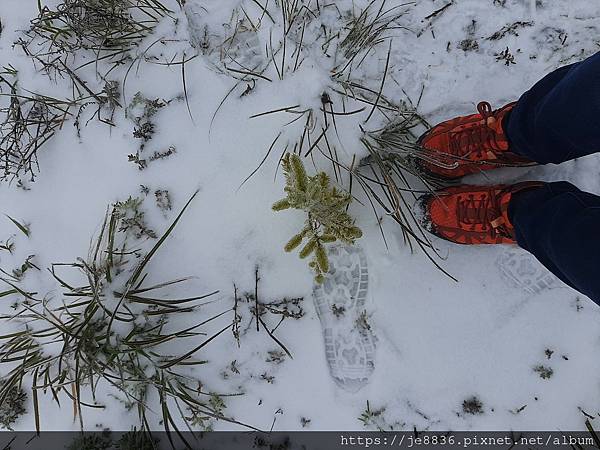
(469, 144)
(472, 214)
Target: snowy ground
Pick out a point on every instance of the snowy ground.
(439, 342)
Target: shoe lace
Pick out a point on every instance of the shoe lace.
(479, 137)
(482, 209)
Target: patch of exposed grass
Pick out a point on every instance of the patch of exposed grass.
(373, 418)
(109, 326)
(62, 42)
(544, 372)
(131, 218)
(262, 312)
(12, 407)
(137, 440)
(92, 441)
(472, 405)
(368, 29)
(112, 327)
(142, 111)
(93, 30)
(27, 122)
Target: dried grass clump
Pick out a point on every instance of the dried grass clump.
(106, 29)
(28, 121)
(101, 34)
(111, 327)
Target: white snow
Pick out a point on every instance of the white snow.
(440, 342)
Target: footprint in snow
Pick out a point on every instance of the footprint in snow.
(340, 303)
(237, 46)
(521, 270)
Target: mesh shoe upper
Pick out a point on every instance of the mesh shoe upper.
(469, 144)
(472, 214)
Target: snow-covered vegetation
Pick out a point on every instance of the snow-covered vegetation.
(144, 281)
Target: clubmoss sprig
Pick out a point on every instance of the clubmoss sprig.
(327, 218)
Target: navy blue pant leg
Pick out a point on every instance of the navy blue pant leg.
(560, 226)
(555, 121)
(558, 119)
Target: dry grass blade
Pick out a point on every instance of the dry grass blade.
(593, 433)
(24, 228)
(379, 94)
(140, 268)
(261, 163)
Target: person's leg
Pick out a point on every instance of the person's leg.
(560, 226)
(557, 119)
(556, 222)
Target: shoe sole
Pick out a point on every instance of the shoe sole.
(350, 352)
